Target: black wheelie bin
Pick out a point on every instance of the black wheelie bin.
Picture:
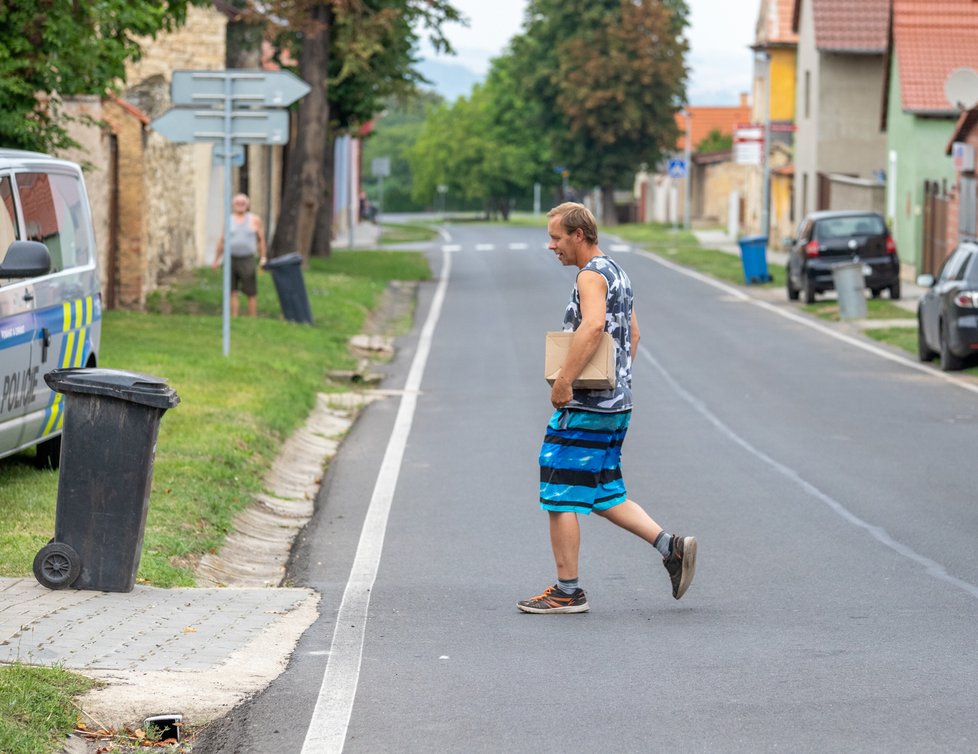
(291, 287)
(108, 444)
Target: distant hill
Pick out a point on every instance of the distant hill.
(450, 80)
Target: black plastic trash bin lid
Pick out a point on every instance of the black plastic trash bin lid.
(114, 383)
(285, 260)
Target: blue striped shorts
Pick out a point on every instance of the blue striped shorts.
(580, 461)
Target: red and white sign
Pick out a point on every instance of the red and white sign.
(748, 144)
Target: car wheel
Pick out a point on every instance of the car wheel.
(923, 350)
(809, 291)
(875, 292)
(895, 291)
(792, 291)
(949, 362)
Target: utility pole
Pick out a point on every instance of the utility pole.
(689, 167)
(765, 57)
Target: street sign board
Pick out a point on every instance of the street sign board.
(186, 125)
(677, 168)
(249, 88)
(381, 167)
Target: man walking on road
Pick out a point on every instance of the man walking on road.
(247, 240)
(580, 461)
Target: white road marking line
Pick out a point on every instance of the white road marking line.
(445, 235)
(334, 705)
(484, 246)
(451, 247)
(932, 567)
(824, 329)
(619, 247)
(518, 246)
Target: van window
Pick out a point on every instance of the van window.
(55, 215)
(8, 217)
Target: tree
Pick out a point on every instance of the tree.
(59, 48)
(371, 35)
(715, 142)
(396, 130)
(609, 76)
(375, 60)
(484, 147)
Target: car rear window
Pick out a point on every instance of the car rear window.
(846, 227)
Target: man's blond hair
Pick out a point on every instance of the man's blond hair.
(574, 216)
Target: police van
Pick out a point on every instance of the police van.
(50, 300)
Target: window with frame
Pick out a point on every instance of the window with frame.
(55, 214)
(953, 265)
(8, 216)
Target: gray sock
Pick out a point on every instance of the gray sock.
(567, 586)
(663, 543)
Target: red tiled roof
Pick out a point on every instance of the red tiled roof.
(708, 119)
(931, 38)
(774, 23)
(852, 25)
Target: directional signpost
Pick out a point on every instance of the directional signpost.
(229, 109)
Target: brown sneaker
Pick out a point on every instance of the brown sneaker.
(681, 564)
(555, 601)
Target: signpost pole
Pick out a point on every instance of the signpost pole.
(227, 218)
(253, 113)
(687, 156)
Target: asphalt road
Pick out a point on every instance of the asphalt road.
(830, 484)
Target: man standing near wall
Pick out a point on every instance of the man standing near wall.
(247, 240)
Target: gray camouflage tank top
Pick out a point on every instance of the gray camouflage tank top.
(618, 321)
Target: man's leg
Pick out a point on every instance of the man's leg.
(564, 596)
(234, 303)
(565, 539)
(678, 553)
(632, 517)
(252, 306)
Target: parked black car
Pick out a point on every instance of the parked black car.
(947, 314)
(828, 238)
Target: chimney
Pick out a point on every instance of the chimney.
(743, 99)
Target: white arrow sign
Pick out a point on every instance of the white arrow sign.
(188, 125)
(248, 88)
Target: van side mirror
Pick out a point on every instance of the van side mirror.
(26, 259)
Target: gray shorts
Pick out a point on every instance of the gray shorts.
(244, 275)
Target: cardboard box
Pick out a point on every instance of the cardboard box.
(598, 374)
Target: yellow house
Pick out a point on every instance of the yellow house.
(775, 48)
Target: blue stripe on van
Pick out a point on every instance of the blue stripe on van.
(16, 331)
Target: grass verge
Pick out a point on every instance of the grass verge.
(235, 411)
(682, 247)
(876, 308)
(37, 707)
(393, 233)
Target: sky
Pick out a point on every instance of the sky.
(720, 60)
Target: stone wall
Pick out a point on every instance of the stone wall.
(178, 177)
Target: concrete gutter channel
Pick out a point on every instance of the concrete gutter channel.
(197, 653)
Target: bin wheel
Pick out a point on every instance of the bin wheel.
(57, 565)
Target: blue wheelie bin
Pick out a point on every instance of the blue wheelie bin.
(753, 257)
